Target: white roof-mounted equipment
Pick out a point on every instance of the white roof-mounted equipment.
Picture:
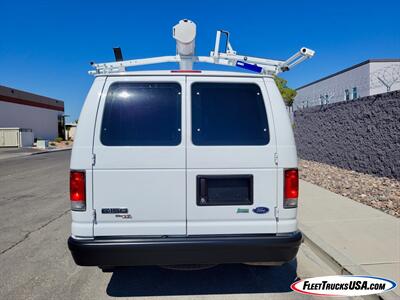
(185, 34)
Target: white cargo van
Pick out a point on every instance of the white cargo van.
(183, 167)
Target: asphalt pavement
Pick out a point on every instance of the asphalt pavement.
(35, 262)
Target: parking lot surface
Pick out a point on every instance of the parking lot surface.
(35, 262)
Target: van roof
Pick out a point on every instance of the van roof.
(185, 72)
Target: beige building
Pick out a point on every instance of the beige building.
(43, 115)
(70, 130)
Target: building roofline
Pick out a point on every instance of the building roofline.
(16, 96)
(350, 68)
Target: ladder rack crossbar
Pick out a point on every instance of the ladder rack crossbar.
(269, 66)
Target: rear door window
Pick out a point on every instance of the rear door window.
(228, 114)
(142, 114)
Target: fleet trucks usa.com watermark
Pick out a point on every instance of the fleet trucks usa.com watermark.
(343, 285)
(353, 285)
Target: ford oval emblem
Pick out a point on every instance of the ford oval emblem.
(261, 210)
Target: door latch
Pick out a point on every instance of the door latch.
(276, 158)
(276, 212)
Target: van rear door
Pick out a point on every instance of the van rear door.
(139, 173)
(231, 171)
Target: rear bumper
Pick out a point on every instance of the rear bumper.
(188, 250)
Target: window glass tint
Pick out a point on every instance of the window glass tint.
(228, 114)
(347, 94)
(354, 93)
(142, 114)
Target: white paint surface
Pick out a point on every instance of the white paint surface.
(42, 121)
(363, 78)
(158, 184)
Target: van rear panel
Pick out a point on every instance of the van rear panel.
(180, 168)
(183, 156)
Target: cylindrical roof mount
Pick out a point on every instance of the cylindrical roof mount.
(185, 34)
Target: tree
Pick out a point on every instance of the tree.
(386, 76)
(287, 93)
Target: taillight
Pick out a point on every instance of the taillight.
(77, 190)
(291, 188)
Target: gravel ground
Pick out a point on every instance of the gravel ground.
(379, 192)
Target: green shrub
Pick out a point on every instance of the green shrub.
(58, 139)
(67, 143)
(52, 144)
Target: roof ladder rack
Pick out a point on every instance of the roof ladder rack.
(185, 33)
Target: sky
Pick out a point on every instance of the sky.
(46, 46)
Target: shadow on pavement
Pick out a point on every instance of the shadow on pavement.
(222, 279)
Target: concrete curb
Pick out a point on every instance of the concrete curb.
(27, 154)
(340, 263)
(50, 151)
